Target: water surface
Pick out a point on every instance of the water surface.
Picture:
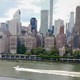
(7, 72)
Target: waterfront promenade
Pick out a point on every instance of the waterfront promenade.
(35, 58)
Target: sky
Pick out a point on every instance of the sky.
(32, 8)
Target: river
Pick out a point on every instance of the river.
(7, 72)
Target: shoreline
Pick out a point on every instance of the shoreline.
(37, 58)
(19, 60)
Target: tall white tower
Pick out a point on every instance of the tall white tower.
(14, 24)
(71, 23)
(44, 22)
(17, 15)
(58, 23)
(51, 14)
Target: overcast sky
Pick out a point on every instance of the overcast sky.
(31, 8)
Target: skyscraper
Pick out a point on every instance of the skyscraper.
(14, 24)
(77, 21)
(76, 35)
(44, 22)
(33, 23)
(71, 23)
(51, 14)
(58, 23)
(16, 15)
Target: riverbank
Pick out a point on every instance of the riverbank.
(37, 58)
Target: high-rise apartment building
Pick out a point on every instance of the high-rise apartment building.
(13, 44)
(58, 23)
(67, 30)
(16, 15)
(77, 21)
(14, 24)
(4, 41)
(76, 31)
(51, 14)
(48, 42)
(62, 29)
(44, 22)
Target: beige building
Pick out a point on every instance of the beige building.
(4, 42)
(13, 44)
(62, 51)
(30, 42)
(48, 42)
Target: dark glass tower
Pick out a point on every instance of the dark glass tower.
(33, 23)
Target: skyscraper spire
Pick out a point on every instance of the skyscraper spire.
(51, 14)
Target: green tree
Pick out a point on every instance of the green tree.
(28, 53)
(76, 54)
(21, 49)
(37, 51)
(68, 52)
(54, 51)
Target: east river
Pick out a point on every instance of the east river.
(7, 72)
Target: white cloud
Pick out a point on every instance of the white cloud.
(3, 19)
(64, 7)
(11, 12)
(29, 5)
(26, 5)
(25, 24)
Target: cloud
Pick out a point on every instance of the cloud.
(23, 4)
(64, 7)
(27, 8)
(31, 8)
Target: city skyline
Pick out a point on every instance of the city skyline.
(30, 9)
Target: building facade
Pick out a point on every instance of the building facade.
(30, 42)
(13, 44)
(14, 24)
(58, 23)
(4, 26)
(33, 23)
(76, 32)
(60, 40)
(4, 42)
(71, 23)
(48, 42)
(76, 41)
(77, 21)
(51, 15)
(44, 22)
